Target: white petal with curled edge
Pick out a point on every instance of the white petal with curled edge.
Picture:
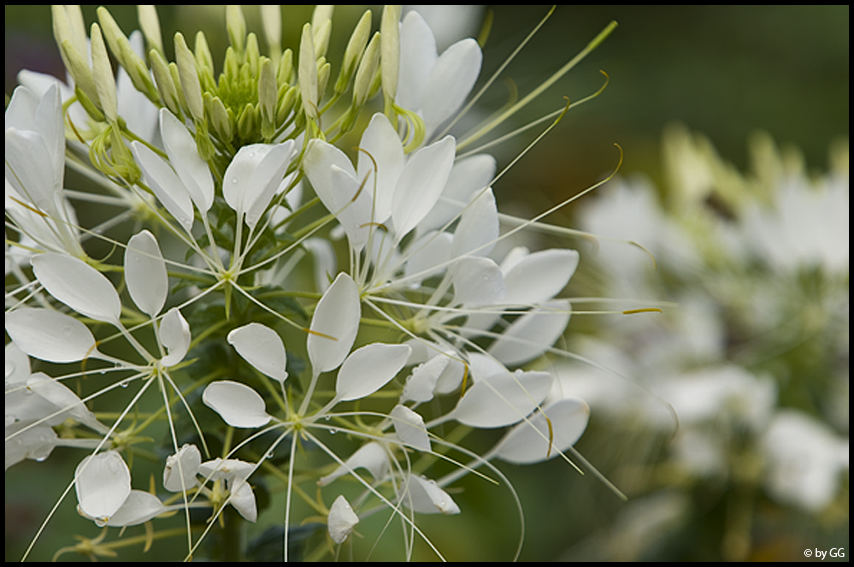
(451, 377)
(421, 383)
(102, 483)
(165, 184)
(174, 335)
(536, 440)
(261, 347)
(477, 281)
(425, 497)
(183, 154)
(450, 82)
(78, 285)
(237, 404)
(62, 398)
(531, 334)
(468, 177)
(539, 276)
(478, 228)
(180, 471)
(145, 273)
(502, 399)
(334, 324)
(381, 162)
(49, 335)
(409, 427)
(266, 179)
(35, 443)
(371, 456)
(139, 508)
(420, 184)
(317, 163)
(368, 369)
(342, 519)
(218, 469)
(238, 176)
(243, 499)
(354, 207)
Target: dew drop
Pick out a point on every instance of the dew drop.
(234, 181)
(333, 431)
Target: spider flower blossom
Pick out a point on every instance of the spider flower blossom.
(238, 184)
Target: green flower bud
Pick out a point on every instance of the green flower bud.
(321, 38)
(218, 116)
(79, 69)
(286, 103)
(204, 63)
(91, 109)
(121, 157)
(102, 72)
(353, 53)
(286, 67)
(203, 141)
(390, 49)
(236, 26)
(367, 70)
(324, 69)
(231, 65)
(165, 86)
(308, 73)
(189, 78)
(247, 124)
(150, 24)
(253, 54)
(267, 96)
(124, 53)
(271, 21)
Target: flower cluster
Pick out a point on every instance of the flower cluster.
(271, 231)
(753, 363)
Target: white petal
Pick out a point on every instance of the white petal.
(368, 369)
(243, 499)
(451, 377)
(531, 334)
(49, 335)
(341, 520)
(145, 273)
(450, 82)
(17, 365)
(417, 58)
(370, 456)
(425, 497)
(219, 469)
(502, 399)
(165, 184)
(336, 319)
(539, 277)
(262, 347)
(184, 157)
(355, 216)
(317, 162)
(537, 440)
(468, 177)
(325, 262)
(174, 335)
(139, 508)
(102, 483)
(410, 428)
(78, 285)
(478, 228)
(38, 185)
(421, 183)
(421, 383)
(34, 443)
(482, 366)
(237, 404)
(180, 471)
(266, 179)
(477, 281)
(62, 398)
(380, 150)
(431, 250)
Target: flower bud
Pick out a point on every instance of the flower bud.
(150, 24)
(324, 69)
(204, 62)
(366, 71)
(286, 67)
(236, 26)
(253, 54)
(125, 55)
(267, 97)
(189, 78)
(308, 73)
(105, 83)
(286, 103)
(165, 86)
(390, 29)
(321, 25)
(353, 53)
(218, 115)
(271, 21)
(247, 122)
